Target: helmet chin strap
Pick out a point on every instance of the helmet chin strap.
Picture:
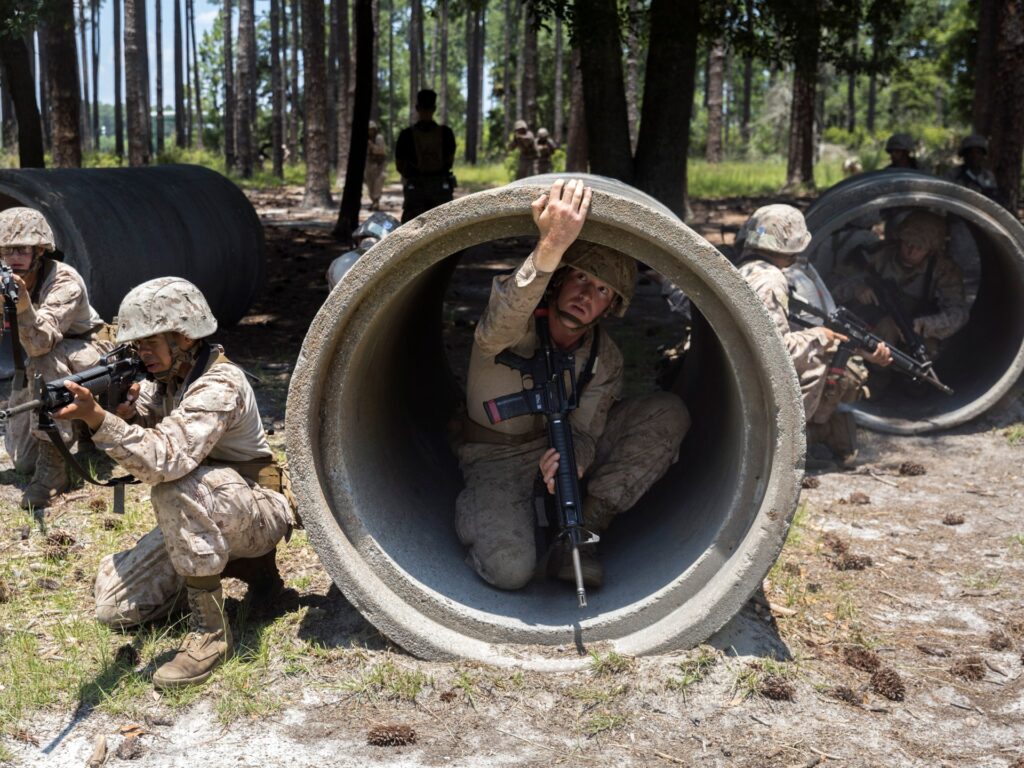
(182, 361)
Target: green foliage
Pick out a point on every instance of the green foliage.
(694, 669)
(611, 663)
(388, 679)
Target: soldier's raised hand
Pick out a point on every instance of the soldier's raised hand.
(83, 407)
(559, 215)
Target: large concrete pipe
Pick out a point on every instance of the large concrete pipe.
(984, 360)
(377, 482)
(122, 226)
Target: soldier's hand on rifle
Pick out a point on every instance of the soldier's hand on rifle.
(23, 299)
(559, 215)
(126, 410)
(831, 335)
(866, 295)
(549, 468)
(84, 407)
(881, 356)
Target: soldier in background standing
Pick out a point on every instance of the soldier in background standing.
(376, 166)
(545, 150)
(900, 147)
(424, 155)
(973, 173)
(522, 140)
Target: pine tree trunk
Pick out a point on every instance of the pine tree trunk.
(661, 148)
(851, 102)
(65, 102)
(159, 79)
(19, 96)
(506, 72)
(415, 53)
(118, 77)
(44, 84)
(246, 39)
(517, 45)
(604, 90)
(529, 81)
(276, 90)
(317, 192)
(576, 140)
(179, 88)
(333, 87)
(986, 64)
(95, 45)
(348, 211)
(443, 75)
(295, 115)
(86, 112)
(481, 45)
(138, 122)
(632, 75)
(344, 105)
(869, 121)
(472, 85)
(147, 112)
(1007, 104)
(558, 121)
(230, 127)
(800, 159)
(195, 75)
(391, 73)
(8, 121)
(188, 79)
(716, 91)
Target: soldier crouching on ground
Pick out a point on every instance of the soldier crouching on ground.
(622, 446)
(60, 333)
(196, 436)
(776, 236)
(928, 286)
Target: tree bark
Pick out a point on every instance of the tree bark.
(800, 160)
(94, 13)
(138, 118)
(179, 92)
(86, 112)
(664, 137)
(348, 212)
(851, 102)
(576, 140)
(869, 119)
(333, 87)
(716, 92)
(276, 91)
(8, 122)
(529, 82)
(442, 94)
(604, 91)
(63, 85)
(986, 64)
(44, 83)
(200, 142)
(159, 78)
(230, 127)
(20, 87)
(391, 73)
(481, 47)
(1006, 103)
(506, 73)
(632, 71)
(243, 93)
(318, 191)
(189, 64)
(558, 120)
(143, 41)
(472, 87)
(344, 106)
(295, 115)
(416, 53)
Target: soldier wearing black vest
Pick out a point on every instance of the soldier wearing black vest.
(424, 156)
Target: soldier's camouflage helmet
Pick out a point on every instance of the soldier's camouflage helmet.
(614, 268)
(164, 305)
(900, 141)
(542, 133)
(25, 226)
(373, 125)
(974, 141)
(923, 230)
(521, 125)
(378, 225)
(775, 229)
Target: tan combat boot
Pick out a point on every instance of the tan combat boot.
(208, 642)
(50, 479)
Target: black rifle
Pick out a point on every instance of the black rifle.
(549, 369)
(886, 293)
(117, 370)
(9, 290)
(847, 323)
(8, 287)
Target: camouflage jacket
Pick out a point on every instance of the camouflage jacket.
(62, 310)
(508, 323)
(807, 347)
(938, 299)
(216, 418)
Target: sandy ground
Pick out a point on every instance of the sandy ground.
(934, 523)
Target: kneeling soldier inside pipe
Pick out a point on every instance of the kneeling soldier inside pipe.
(776, 235)
(194, 433)
(622, 447)
(909, 289)
(60, 333)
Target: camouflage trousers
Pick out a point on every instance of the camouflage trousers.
(823, 389)
(374, 178)
(21, 433)
(210, 516)
(495, 515)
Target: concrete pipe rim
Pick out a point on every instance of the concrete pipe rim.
(879, 190)
(389, 598)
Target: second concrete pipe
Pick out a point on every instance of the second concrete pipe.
(377, 481)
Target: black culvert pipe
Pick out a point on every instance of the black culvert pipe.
(983, 361)
(122, 226)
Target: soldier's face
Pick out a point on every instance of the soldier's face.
(155, 353)
(17, 257)
(900, 158)
(912, 255)
(582, 299)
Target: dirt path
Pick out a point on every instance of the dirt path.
(912, 563)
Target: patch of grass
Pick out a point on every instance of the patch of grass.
(751, 678)
(388, 679)
(694, 669)
(798, 526)
(983, 580)
(599, 722)
(466, 683)
(611, 663)
(750, 177)
(1014, 433)
(1017, 543)
(6, 756)
(482, 175)
(599, 695)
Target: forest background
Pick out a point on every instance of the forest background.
(725, 97)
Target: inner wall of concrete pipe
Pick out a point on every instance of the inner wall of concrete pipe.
(984, 360)
(368, 409)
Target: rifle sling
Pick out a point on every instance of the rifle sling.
(17, 352)
(69, 458)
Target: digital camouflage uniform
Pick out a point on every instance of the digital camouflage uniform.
(376, 166)
(545, 151)
(623, 446)
(524, 143)
(196, 447)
